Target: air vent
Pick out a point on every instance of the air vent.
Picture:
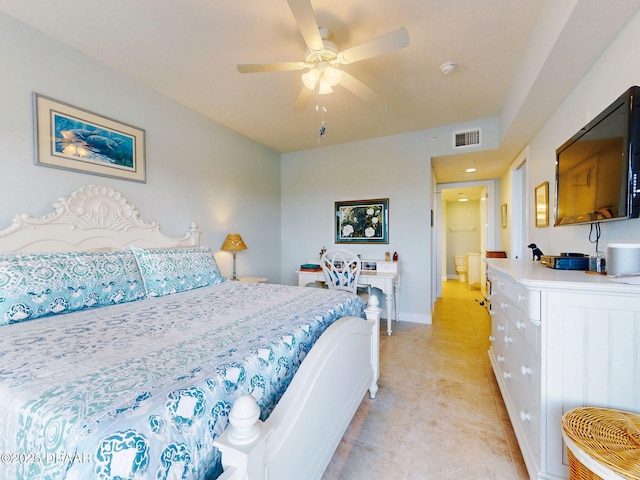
(466, 139)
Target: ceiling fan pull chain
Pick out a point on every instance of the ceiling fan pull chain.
(322, 131)
(323, 126)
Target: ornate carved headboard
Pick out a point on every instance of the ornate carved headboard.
(94, 217)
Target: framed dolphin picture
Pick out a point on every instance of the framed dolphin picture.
(70, 138)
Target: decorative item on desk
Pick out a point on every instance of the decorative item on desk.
(387, 256)
(310, 267)
(233, 243)
(369, 266)
(395, 256)
(322, 250)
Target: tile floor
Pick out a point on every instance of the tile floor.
(438, 414)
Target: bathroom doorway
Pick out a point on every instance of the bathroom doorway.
(466, 221)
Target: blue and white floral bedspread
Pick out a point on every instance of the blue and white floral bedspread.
(140, 390)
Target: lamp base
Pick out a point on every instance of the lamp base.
(235, 277)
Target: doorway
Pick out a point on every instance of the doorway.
(483, 196)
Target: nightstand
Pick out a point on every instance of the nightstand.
(253, 279)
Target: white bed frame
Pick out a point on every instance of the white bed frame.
(303, 431)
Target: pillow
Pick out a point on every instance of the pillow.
(37, 285)
(173, 270)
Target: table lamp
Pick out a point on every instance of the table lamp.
(233, 243)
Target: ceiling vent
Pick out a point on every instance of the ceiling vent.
(466, 139)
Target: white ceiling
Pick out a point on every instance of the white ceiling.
(188, 50)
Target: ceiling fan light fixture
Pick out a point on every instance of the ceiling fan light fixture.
(324, 87)
(333, 75)
(310, 79)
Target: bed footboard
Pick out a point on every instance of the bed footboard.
(303, 431)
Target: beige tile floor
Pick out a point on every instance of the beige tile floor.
(438, 414)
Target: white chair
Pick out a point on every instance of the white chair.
(342, 270)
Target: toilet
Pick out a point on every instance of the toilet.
(462, 266)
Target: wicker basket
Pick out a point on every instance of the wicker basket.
(610, 437)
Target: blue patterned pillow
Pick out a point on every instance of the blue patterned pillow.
(173, 270)
(36, 285)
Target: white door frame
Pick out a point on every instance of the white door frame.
(519, 210)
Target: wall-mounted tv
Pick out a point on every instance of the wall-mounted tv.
(597, 169)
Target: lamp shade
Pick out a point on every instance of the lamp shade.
(325, 86)
(311, 78)
(333, 75)
(233, 243)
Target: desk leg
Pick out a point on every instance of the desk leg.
(389, 301)
(396, 292)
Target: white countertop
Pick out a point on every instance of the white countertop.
(534, 275)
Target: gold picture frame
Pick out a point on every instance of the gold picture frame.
(503, 215)
(542, 204)
(71, 138)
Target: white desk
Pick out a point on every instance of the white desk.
(389, 283)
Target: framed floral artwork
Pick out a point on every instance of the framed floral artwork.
(74, 139)
(362, 221)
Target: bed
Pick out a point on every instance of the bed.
(161, 367)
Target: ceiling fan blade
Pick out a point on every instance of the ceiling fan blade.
(303, 99)
(271, 67)
(386, 43)
(307, 23)
(358, 88)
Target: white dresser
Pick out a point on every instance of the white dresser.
(560, 339)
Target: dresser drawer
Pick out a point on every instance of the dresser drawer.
(525, 416)
(529, 331)
(520, 324)
(524, 363)
(514, 292)
(499, 323)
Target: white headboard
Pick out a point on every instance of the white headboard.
(94, 217)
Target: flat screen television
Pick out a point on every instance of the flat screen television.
(597, 169)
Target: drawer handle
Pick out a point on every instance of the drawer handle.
(492, 313)
(525, 416)
(506, 375)
(500, 328)
(504, 305)
(521, 297)
(492, 338)
(525, 370)
(507, 339)
(520, 325)
(500, 359)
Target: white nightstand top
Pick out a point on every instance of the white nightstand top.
(253, 279)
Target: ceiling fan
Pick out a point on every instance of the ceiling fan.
(323, 57)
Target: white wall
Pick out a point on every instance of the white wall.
(197, 170)
(616, 70)
(383, 168)
(396, 167)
